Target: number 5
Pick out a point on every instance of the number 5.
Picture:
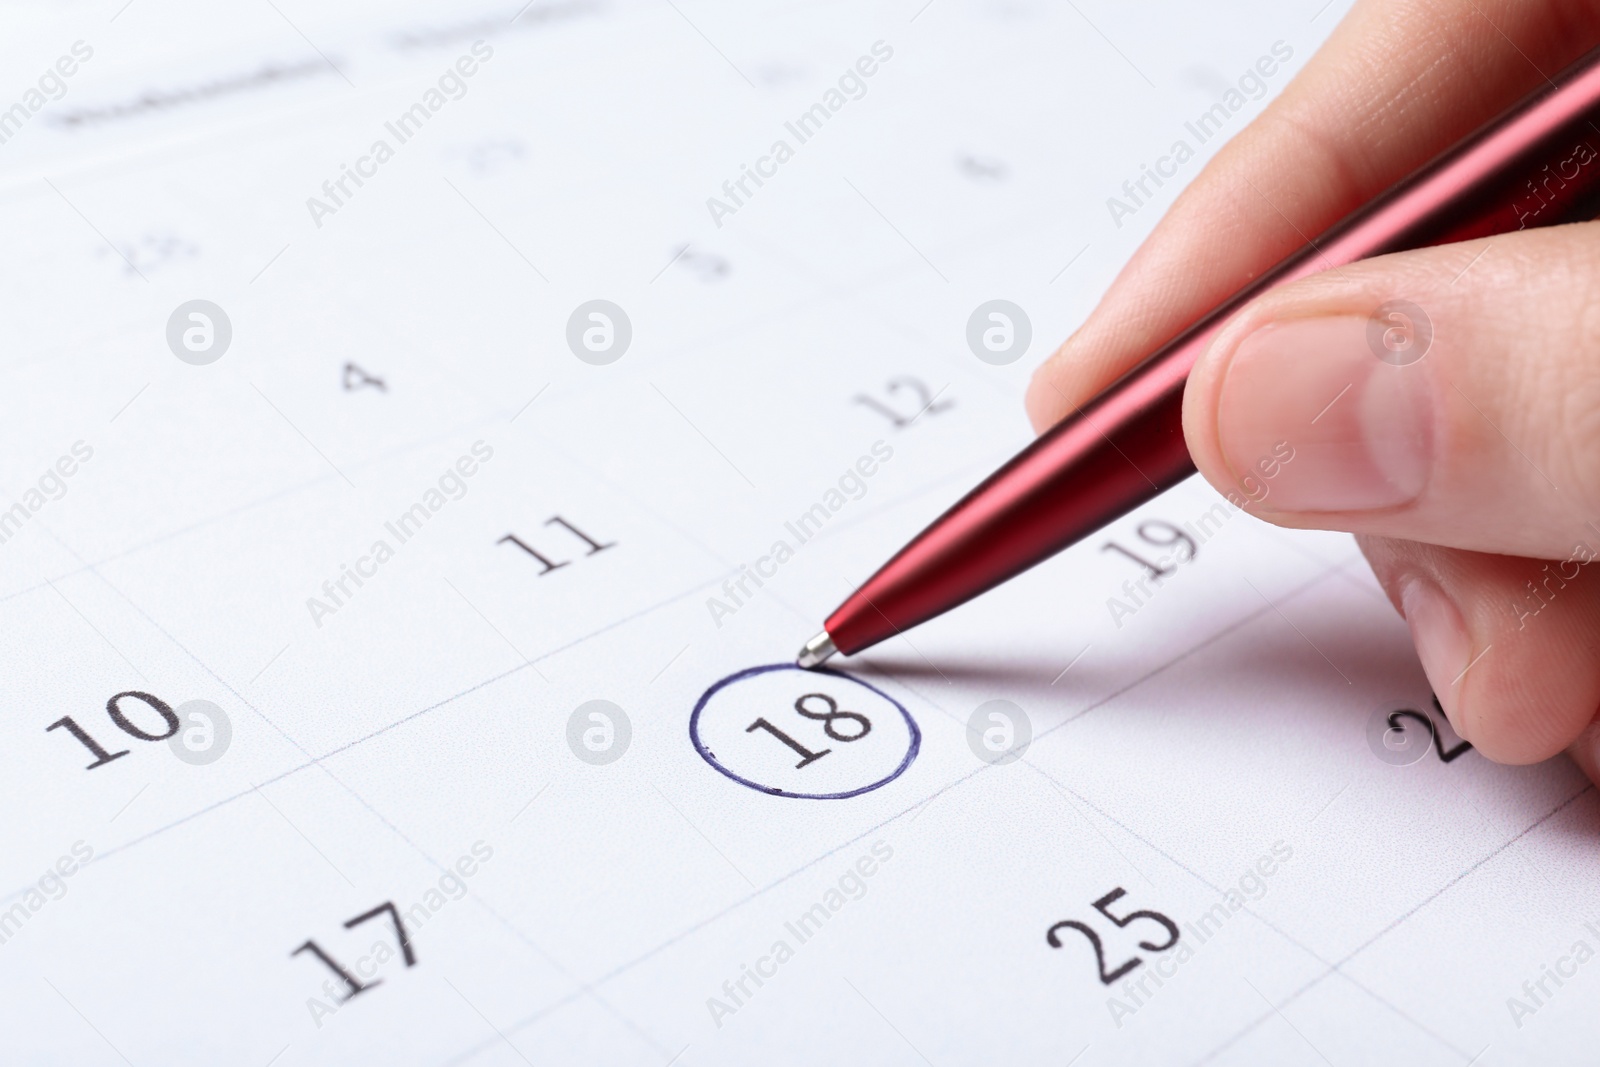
(1103, 906)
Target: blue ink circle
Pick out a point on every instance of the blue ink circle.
(750, 672)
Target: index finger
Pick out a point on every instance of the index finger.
(1397, 82)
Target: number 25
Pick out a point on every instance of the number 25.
(1103, 906)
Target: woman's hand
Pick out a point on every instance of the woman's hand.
(1471, 475)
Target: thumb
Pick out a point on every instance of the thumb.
(1449, 396)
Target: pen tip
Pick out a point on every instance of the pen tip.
(815, 651)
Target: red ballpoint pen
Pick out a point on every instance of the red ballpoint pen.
(1536, 165)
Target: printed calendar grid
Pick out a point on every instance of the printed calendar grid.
(879, 302)
(1261, 612)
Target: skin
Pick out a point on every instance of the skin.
(1464, 475)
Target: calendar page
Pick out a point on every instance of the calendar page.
(431, 428)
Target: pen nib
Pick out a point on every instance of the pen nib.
(815, 651)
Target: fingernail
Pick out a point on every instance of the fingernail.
(1361, 429)
(1440, 635)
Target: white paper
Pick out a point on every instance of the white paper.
(399, 374)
